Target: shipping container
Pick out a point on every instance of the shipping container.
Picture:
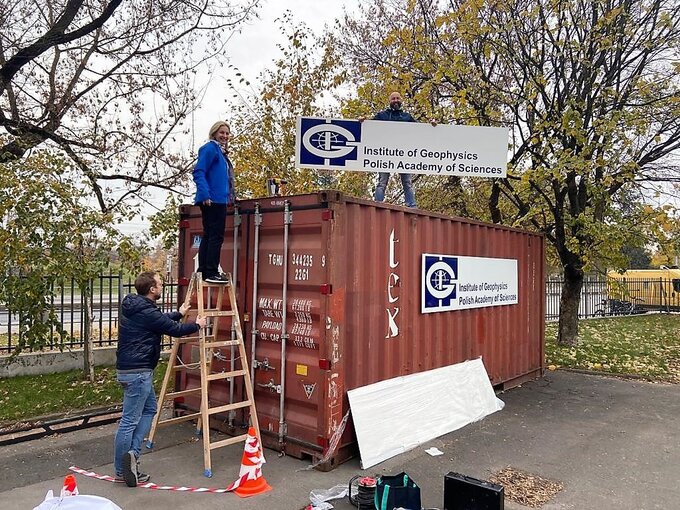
(335, 286)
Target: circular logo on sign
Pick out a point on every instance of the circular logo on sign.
(440, 280)
(328, 141)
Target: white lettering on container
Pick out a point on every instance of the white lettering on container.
(392, 283)
(301, 273)
(275, 259)
(302, 259)
(301, 305)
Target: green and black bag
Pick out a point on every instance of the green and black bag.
(398, 491)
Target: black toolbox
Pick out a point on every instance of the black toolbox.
(466, 493)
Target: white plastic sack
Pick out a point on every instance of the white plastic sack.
(320, 497)
(76, 503)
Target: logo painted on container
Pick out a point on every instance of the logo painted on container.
(329, 142)
(440, 281)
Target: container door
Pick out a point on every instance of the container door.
(289, 287)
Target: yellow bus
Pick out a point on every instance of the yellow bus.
(648, 289)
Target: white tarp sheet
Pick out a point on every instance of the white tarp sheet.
(394, 416)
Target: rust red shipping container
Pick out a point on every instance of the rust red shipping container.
(339, 279)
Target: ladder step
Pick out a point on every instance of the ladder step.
(189, 339)
(184, 339)
(179, 419)
(177, 394)
(222, 343)
(187, 366)
(218, 313)
(215, 285)
(228, 441)
(195, 340)
(229, 407)
(225, 375)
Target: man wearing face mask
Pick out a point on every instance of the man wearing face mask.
(395, 113)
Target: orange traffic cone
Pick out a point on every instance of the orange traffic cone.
(70, 488)
(250, 480)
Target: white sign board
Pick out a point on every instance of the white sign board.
(450, 282)
(401, 147)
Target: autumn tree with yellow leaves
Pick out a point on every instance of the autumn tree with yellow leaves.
(589, 90)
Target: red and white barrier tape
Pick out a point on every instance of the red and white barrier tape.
(108, 478)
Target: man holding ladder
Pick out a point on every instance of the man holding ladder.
(142, 324)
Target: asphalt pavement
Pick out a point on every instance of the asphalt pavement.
(612, 443)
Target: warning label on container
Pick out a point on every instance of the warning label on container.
(451, 282)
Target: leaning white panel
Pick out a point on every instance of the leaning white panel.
(396, 415)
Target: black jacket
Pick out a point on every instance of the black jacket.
(141, 326)
(394, 115)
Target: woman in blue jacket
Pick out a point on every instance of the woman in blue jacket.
(214, 178)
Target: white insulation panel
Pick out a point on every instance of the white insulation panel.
(396, 415)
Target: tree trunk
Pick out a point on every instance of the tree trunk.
(86, 333)
(567, 331)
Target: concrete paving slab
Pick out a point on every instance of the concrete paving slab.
(614, 444)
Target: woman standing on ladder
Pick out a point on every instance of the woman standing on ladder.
(214, 178)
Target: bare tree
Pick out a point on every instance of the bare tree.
(109, 83)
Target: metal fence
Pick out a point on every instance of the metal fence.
(593, 295)
(599, 297)
(604, 297)
(108, 291)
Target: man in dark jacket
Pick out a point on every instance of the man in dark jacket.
(395, 113)
(141, 326)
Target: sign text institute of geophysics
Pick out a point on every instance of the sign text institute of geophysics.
(401, 147)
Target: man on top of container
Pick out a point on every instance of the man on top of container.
(139, 348)
(395, 113)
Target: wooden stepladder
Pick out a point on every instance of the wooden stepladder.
(208, 342)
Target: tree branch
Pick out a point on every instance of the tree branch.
(56, 35)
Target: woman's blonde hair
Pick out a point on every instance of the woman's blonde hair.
(216, 127)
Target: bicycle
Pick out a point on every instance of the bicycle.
(613, 307)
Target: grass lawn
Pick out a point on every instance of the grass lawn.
(643, 345)
(25, 397)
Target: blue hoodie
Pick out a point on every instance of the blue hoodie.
(141, 326)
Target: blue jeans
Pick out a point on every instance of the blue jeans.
(139, 408)
(409, 194)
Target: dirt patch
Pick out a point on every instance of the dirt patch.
(526, 489)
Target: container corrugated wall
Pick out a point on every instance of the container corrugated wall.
(352, 308)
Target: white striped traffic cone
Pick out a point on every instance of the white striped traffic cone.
(250, 480)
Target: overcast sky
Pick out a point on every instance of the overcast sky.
(255, 48)
(251, 51)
